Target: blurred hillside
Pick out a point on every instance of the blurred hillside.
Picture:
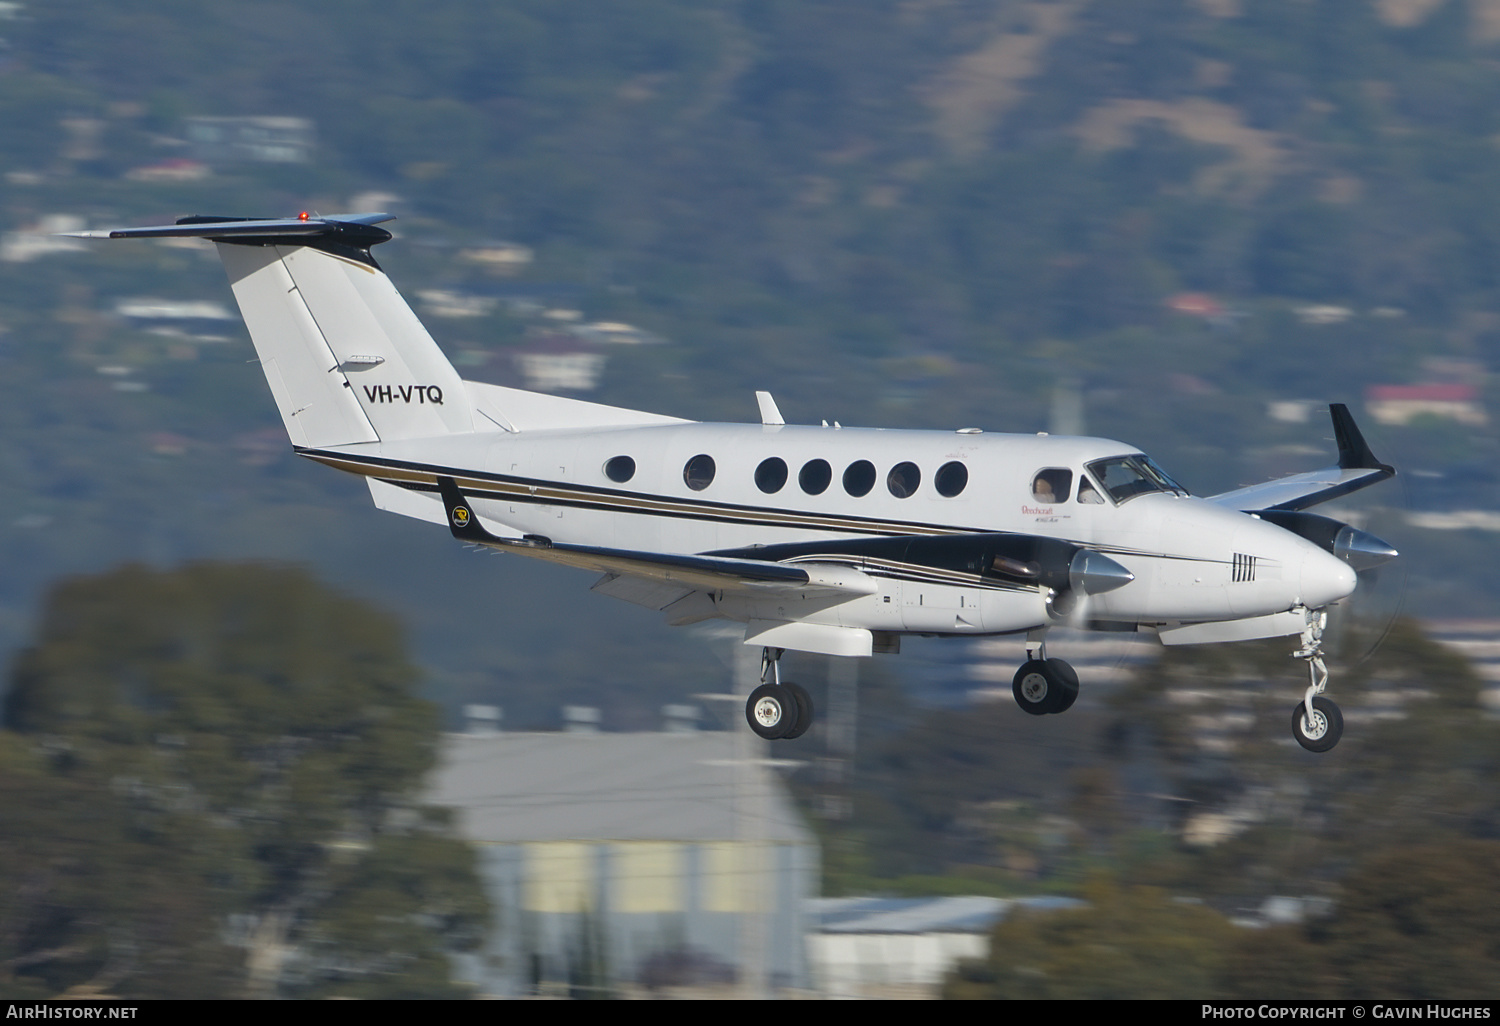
(1167, 215)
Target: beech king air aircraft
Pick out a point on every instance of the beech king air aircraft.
(818, 539)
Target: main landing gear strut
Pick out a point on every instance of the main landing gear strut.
(1043, 685)
(778, 710)
(1317, 723)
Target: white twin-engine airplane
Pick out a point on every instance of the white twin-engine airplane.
(818, 539)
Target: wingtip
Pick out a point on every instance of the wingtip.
(1354, 451)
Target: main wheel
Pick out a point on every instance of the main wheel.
(771, 711)
(1065, 680)
(1320, 731)
(1033, 687)
(1045, 686)
(804, 717)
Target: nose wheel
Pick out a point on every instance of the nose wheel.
(778, 710)
(1322, 729)
(1317, 723)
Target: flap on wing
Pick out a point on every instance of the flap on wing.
(640, 590)
(691, 571)
(695, 572)
(1357, 468)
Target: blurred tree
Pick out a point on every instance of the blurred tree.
(1417, 923)
(93, 903)
(1410, 924)
(1127, 942)
(265, 728)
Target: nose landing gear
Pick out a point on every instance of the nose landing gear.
(1317, 723)
(778, 710)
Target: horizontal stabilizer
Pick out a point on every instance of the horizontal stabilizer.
(354, 228)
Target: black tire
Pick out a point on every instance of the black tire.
(1324, 731)
(1033, 686)
(1066, 679)
(771, 711)
(804, 718)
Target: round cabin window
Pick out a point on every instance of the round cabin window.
(904, 479)
(699, 472)
(951, 479)
(859, 478)
(815, 477)
(619, 469)
(770, 476)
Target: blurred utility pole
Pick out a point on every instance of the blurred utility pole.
(1066, 417)
(752, 812)
(840, 735)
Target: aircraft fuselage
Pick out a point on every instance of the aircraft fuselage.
(698, 488)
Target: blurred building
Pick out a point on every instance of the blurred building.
(176, 169)
(1100, 657)
(560, 362)
(264, 140)
(1478, 641)
(903, 947)
(42, 239)
(632, 862)
(1399, 404)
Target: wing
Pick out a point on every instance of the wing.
(658, 574)
(1357, 468)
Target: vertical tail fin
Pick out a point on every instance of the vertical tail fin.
(345, 356)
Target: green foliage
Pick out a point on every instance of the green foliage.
(1429, 772)
(262, 731)
(1416, 923)
(1411, 923)
(99, 897)
(1125, 943)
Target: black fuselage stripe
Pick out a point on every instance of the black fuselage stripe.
(532, 491)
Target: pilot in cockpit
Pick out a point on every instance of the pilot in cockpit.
(1052, 486)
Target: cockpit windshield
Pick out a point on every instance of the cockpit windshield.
(1125, 477)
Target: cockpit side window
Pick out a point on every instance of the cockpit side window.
(1088, 494)
(1054, 484)
(1125, 477)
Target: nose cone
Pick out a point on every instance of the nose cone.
(1361, 549)
(1325, 578)
(1094, 573)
